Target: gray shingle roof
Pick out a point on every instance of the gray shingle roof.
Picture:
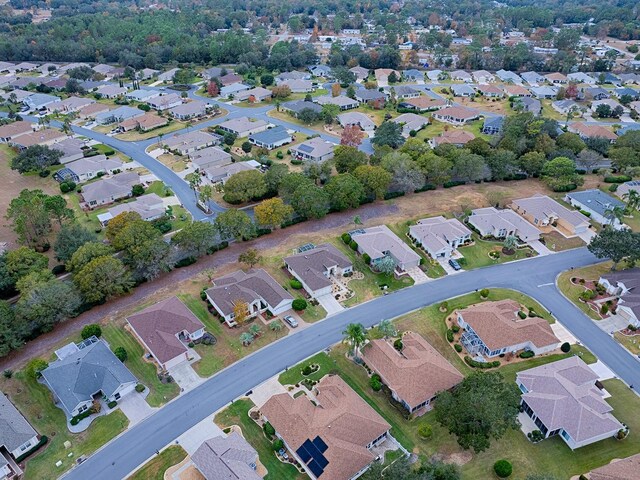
(297, 106)
(596, 200)
(226, 458)
(14, 428)
(270, 136)
(311, 265)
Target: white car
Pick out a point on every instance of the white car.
(291, 321)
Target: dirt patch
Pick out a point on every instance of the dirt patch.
(484, 104)
(459, 458)
(189, 473)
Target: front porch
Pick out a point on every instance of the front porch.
(14, 469)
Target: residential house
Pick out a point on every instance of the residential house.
(168, 75)
(598, 204)
(626, 91)
(108, 190)
(356, 118)
(332, 436)
(545, 92)
(222, 173)
(342, 101)
(415, 374)
(44, 136)
(296, 106)
(626, 187)
(413, 75)
(226, 457)
(215, 72)
(618, 469)
(315, 268)
(629, 78)
(189, 142)
(17, 437)
(456, 115)
(612, 104)
(372, 97)
(165, 102)
(256, 288)
(72, 149)
(490, 91)
(592, 131)
(423, 104)
(439, 236)
(244, 126)
(117, 115)
(597, 93)
(271, 138)
(494, 328)
(402, 92)
(320, 71)
(556, 78)
(516, 91)
(190, 110)
(256, 94)
(84, 169)
(38, 101)
(382, 75)
(143, 123)
(10, 131)
(295, 75)
(509, 77)
(410, 122)
(147, 73)
(85, 373)
(542, 211)
(111, 91)
(90, 111)
(298, 85)
(492, 125)
(380, 242)
(435, 75)
(483, 77)
(625, 284)
(461, 76)
(229, 79)
(315, 150)
(491, 222)
(69, 105)
(529, 105)
(142, 95)
(452, 137)
(563, 398)
(150, 207)
(581, 77)
(165, 329)
(463, 91)
(565, 106)
(360, 72)
(232, 90)
(209, 157)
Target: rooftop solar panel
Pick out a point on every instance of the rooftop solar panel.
(320, 445)
(316, 469)
(321, 460)
(311, 448)
(304, 455)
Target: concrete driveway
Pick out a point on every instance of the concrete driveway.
(614, 323)
(444, 263)
(136, 408)
(185, 376)
(562, 333)
(330, 304)
(540, 248)
(418, 275)
(196, 435)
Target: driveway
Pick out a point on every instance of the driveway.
(540, 248)
(185, 376)
(330, 304)
(614, 323)
(444, 263)
(563, 334)
(418, 275)
(265, 391)
(136, 408)
(196, 435)
(587, 236)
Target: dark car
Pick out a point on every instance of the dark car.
(454, 264)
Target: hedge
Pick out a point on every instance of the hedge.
(217, 247)
(617, 179)
(526, 354)
(426, 187)
(346, 238)
(453, 183)
(390, 195)
(565, 188)
(185, 262)
(112, 404)
(585, 213)
(472, 363)
(293, 221)
(43, 441)
(81, 416)
(522, 315)
(366, 258)
(450, 335)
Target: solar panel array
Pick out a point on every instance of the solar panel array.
(306, 247)
(359, 231)
(312, 454)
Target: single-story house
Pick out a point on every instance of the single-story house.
(415, 374)
(142, 95)
(315, 150)
(597, 93)
(491, 91)
(144, 123)
(342, 101)
(492, 125)
(590, 131)
(72, 149)
(370, 96)
(565, 106)
(611, 103)
(215, 72)
(625, 284)
(165, 329)
(320, 71)
(626, 187)
(456, 115)
(243, 126)
(494, 328)
(17, 437)
(423, 104)
(356, 118)
(452, 137)
(111, 91)
(295, 75)
(598, 204)
(108, 190)
(256, 94)
(382, 74)
(380, 242)
(403, 92)
(483, 77)
(361, 73)
(87, 372)
(542, 211)
(544, 92)
(581, 77)
(189, 110)
(189, 142)
(38, 101)
(44, 136)
(222, 173)
(413, 75)
(411, 122)
(621, 92)
(332, 436)
(209, 157)
(168, 75)
(618, 469)
(556, 77)
(271, 138)
(68, 105)
(439, 236)
(516, 91)
(13, 130)
(461, 75)
(86, 168)
(230, 79)
(256, 288)
(147, 73)
(528, 104)
(463, 91)
(508, 76)
(233, 89)
(296, 106)
(491, 222)
(165, 102)
(90, 111)
(314, 268)
(116, 115)
(150, 207)
(435, 75)
(563, 398)
(298, 85)
(226, 457)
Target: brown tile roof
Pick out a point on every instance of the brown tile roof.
(455, 137)
(625, 469)
(311, 265)
(159, 325)
(425, 102)
(593, 131)
(15, 128)
(499, 326)
(344, 421)
(417, 373)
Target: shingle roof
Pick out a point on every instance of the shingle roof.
(226, 458)
(596, 200)
(543, 207)
(417, 373)
(14, 428)
(119, 185)
(437, 233)
(489, 219)
(311, 265)
(272, 135)
(563, 395)
(243, 124)
(298, 105)
(188, 140)
(97, 163)
(15, 128)
(147, 206)
(625, 469)
(375, 241)
(315, 147)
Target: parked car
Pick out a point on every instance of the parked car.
(291, 321)
(454, 264)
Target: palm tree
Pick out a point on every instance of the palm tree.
(246, 338)
(206, 192)
(194, 180)
(276, 327)
(355, 334)
(255, 330)
(510, 243)
(615, 213)
(386, 328)
(633, 200)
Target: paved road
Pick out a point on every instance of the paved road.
(534, 277)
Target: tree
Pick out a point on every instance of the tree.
(290, 183)
(87, 252)
(234, 223)
(23, 261)
(386, 265)
(347, 159)
(11, 331)
(266, 80)
(560, 173)
(407, 176)
(532, 163)
(119, 222)
(103, 278)
(250, 257)
(7, 282)
(205, 194)
(30, 281)
(35, 367)
(374, 179)
(274, 176)
(436, 169)
(502, 163)
(36, 158)
(345, 191)
(57, 208)
(329, 112)
(276, 327)
(246, 146)
(386, 328)
(335, 90)
(310, 201)
(194, 179)
(318, 172)
(29, 217)
(389, 133)
(308, 116)
(468, 167)
(148, 257)
(632, 197)
(570, 141)
(478, 409)
(272, 212)
(184, 76)
(246, 338)
(70, 238)
(404, 469)
(614, 214)
(240, 311)
(299, 304)
(355, 335)
(244, 186)
(47, 304)
(195, 239)
(616, 245)
(281, 91)
(213, 89)
(91, 330)
(121, 354)
(352, 136)
(510, 243)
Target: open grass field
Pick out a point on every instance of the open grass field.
(154, 469)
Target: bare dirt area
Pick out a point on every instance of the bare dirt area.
(485, 104)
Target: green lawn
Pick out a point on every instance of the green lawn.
(159, 188)
(34, 400)
(432, 268)
(477, 255)
(237, 414)
(145, 372)
(134, 136)
(557, 242)
(154, 469)
(294, 374)
(572, 292)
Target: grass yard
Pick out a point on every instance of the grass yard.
(572, 292)
(477, 255)
(146, 372)
(237, 414)
(557, 242)
(174, 162)
(284, 116)
(630, 343)
(294, 374)
(154, 469)
(35, 402)
(159, 188)
(135, 136)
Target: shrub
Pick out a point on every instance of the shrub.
(58, 269)
(353, 245)
(91, 330)
(617, 179)
(425, 431)
(390, 195)
(279, 155)
(444, 306)
(295, 284)
(585, 213)
(458, 347)
(502, 468)
(346, 238)
(81, 416)
(453, 183)
(277, 444)
(185, 262)
(455, 328)
(587, 295)
(613, 187)
(366, 258)
(121, 354)
(296, 161)
(268, 429)
(140, 388)
(462, 261)
(522, 315)
(398, 345)
(526, 354)
(535, 436)
(307, 370)
(604, 309)
(35, 366)
(565, 347)
(426, 187)
(375, 383)
(112, 404)
(8, 373)
(484, 293)
(299, 304)
(450, 335)
(482, 365)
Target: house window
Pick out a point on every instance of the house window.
(523, 389)
(565, 435)
(117, 396)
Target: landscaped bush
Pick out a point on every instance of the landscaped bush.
(140, 388)
(535, 436)
(277, 444)
(308, 370)
(90, 331)
(484, 293)
(366, 258)
(450, 335)
(617, 179)
(526, 354)
(35, 366)
(604, 309)
(268, 429)
(375, 382)
(121, 354)
(398, 345)
(425, 188)
(346, 238)
(565, 347)
(482, 365)
(565, 188)
(613, 187)
(296, 161)
(58, 269)
(502, 468)
(458, 347)
(353, 245)
(8, 373)
(299, 304)
(452, 183)
(390, 195)
(185, 262)
(587, 295)
(585, 213)
(444, 306)
(425, 431)
(295, 284)
(522, 315)
(81, 416)
(455, 328)
(112, 404)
